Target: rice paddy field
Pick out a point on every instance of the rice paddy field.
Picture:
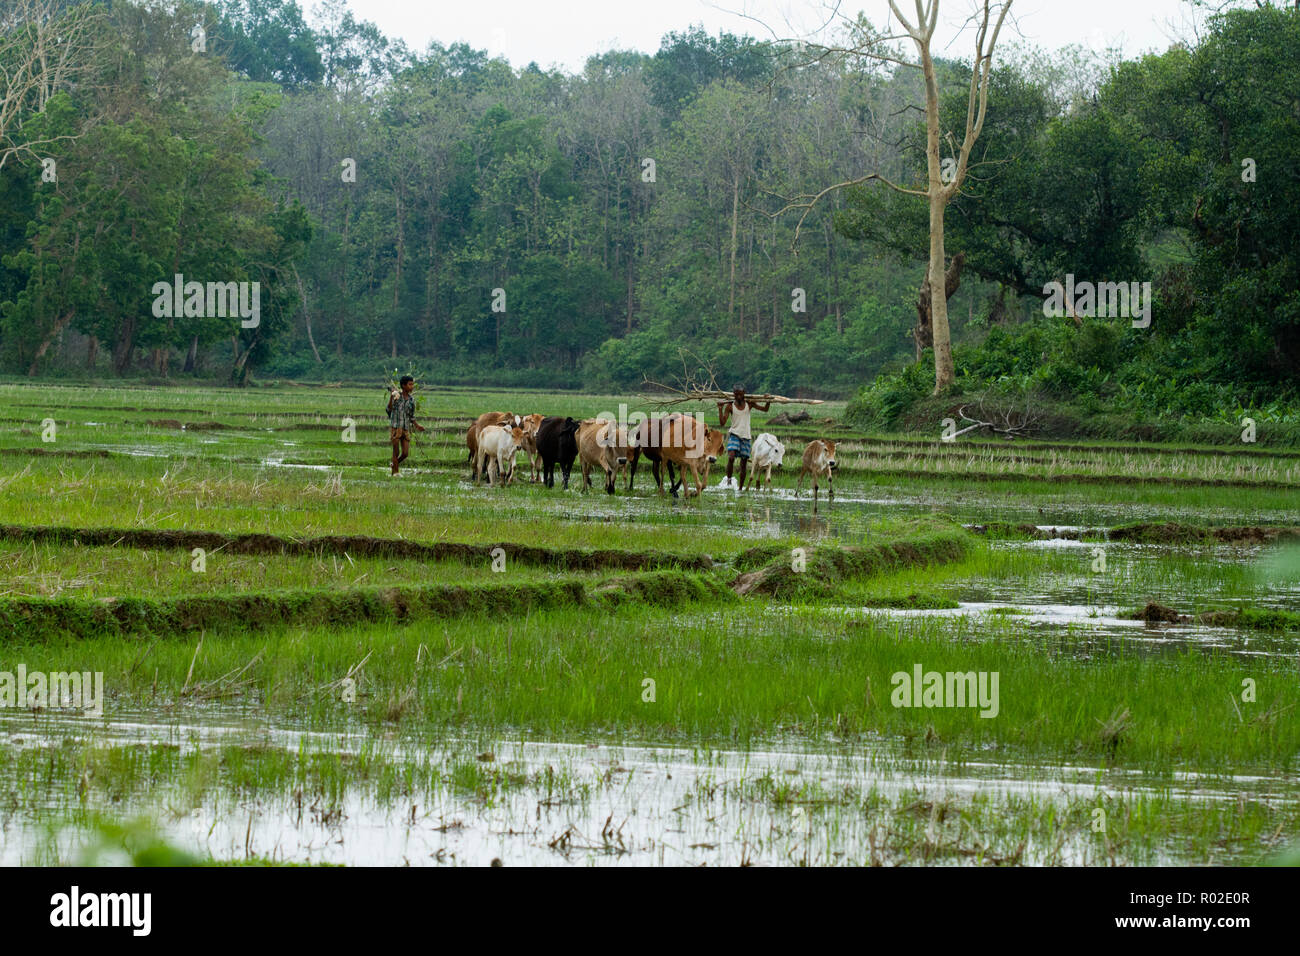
(307, 660)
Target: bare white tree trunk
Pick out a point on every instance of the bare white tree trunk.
(989, 20)
(941, 184)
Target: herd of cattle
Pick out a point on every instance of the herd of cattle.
(681, 443)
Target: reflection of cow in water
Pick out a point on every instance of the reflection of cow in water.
(680, 442)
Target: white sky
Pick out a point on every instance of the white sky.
(565, 32)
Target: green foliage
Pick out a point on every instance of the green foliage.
(503, 224)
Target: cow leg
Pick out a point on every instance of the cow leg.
(548, 473)
(610, 477)
(697, 476)
(675, 477)
(566, 469)
(830, 485)
(586, 476)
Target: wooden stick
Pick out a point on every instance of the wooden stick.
(774, 399)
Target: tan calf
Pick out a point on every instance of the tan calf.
(601, 445)
(818, 460)
(529, 425)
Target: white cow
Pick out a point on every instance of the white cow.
(497, 445)
(766, 454)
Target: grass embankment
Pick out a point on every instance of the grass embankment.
(237, 596)
(1259, 619)
(158, 495)
(822, 572)
(350, 547)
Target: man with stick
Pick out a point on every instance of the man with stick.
(738, 436)
(401, 419)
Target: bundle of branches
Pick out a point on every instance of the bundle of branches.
(702, 386)
(697, 393)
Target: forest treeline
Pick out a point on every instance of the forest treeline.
(440, 211)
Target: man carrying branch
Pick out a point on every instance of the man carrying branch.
(738, 436)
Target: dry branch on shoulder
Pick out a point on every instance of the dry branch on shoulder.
(701, 385)
(679, 396)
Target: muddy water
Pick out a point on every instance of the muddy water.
(1087, 631)
(781, 512)
(619, 805)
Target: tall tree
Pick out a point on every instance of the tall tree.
(943, 179)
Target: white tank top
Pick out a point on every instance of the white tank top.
(740, 420)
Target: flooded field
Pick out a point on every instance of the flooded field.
(294, 796)
(307, 661)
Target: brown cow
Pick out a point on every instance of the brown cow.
(715, 442)
(603, 445)
(645, 441)
(529, 425)
(682, 441)
(471, 436)
(818, 459)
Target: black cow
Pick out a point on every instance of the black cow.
(557, 441)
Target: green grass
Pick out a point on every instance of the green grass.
(733, 675)
(437, 645)
(50, 571)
